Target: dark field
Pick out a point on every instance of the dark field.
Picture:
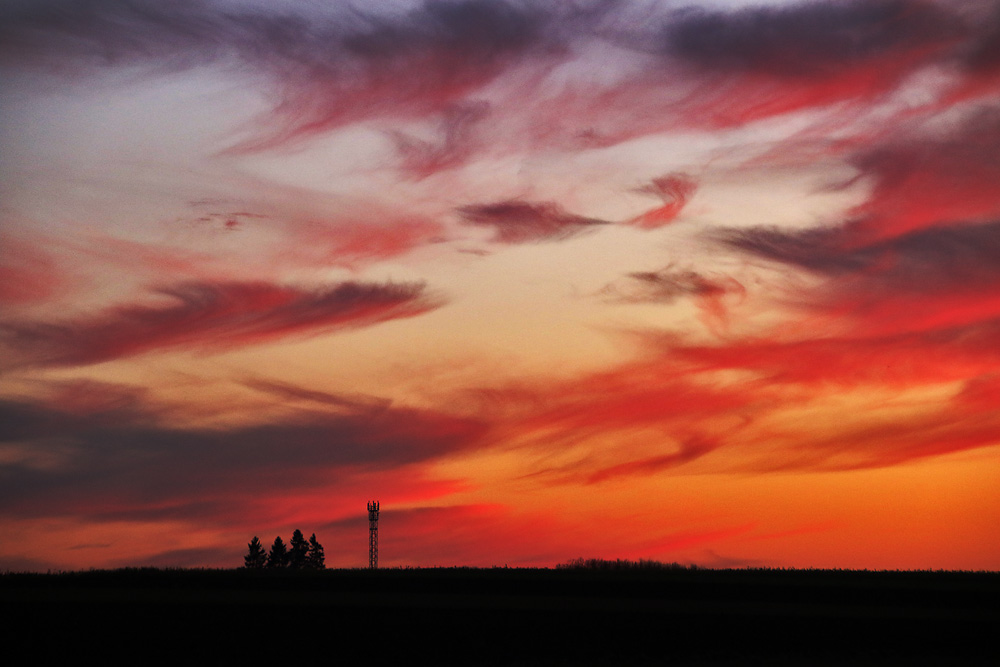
(508, 617)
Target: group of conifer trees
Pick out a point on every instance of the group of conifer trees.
(298, 555)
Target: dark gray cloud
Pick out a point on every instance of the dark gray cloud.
(937, 259)
(667, 285)
(810, 38)
(479, 29)
(930, 224)
(137, 466)
(286, 391)
(128, 31)
(325, 64)
(982, 54)
(941, 280)
(516, 221)
(74, 35)
(943, 176)
(212, 316)
(328, 64)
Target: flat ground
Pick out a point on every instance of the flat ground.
(509, 616)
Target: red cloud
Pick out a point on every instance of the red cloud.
(981, 393)
(327, 68)
(695, 421)
(899, 361)
(352, 243)
(689, 450)
(723, 69)
(27, 274)
(926, 181)
(675, 190)
(212, 316)
(640, 394)
(875, 443)
(930, 279)
(657, 397)
(685, 403)
(455, 145)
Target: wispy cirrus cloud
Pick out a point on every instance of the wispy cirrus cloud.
(356, 242)
(292, 392)
(724, 68)
(712, 293)
(687, 450)
(850, 361)
(328, 66)
(669, 284)
(205, 316)
(735, 406)
(456, 141)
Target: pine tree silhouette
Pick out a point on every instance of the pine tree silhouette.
(278, 556)
(315, 557)
(297, 551)
(256, 557)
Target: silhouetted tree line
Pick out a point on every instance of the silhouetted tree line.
(620, 564)
(298, 555)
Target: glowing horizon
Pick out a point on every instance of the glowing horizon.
(709, 282)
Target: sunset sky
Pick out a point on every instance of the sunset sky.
(700, 281)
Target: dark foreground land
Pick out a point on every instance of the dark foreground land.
(508, 617)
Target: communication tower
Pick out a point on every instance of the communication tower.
(373, 535)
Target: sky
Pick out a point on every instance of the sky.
(712, 283)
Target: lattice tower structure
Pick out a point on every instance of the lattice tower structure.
(373, 535)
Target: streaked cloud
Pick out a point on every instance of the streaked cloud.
(516, 221)
(213, 316)
(128, 463)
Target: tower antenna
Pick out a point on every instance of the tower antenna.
(373, 535)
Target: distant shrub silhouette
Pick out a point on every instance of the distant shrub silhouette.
(278, 556)
(315, 556)
(256, 557)
(620, 564)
